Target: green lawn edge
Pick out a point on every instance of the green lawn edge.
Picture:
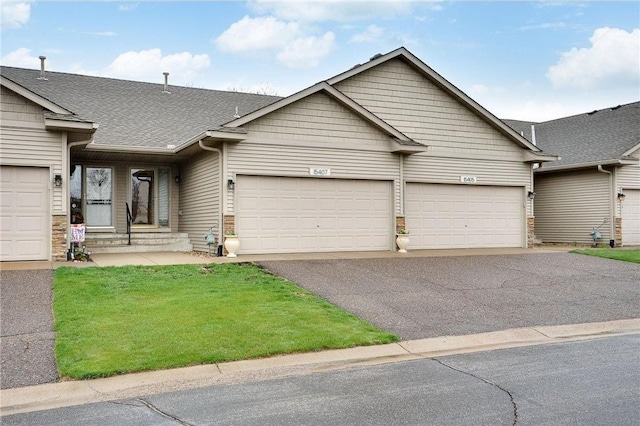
(120, 320)
(625, 255)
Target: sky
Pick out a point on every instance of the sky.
(533, 61)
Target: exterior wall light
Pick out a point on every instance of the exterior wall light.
(531, 195)
(57, 180)
(178, 178)
(231, 185)
(621, 196)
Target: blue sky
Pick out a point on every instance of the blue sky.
(523, 60)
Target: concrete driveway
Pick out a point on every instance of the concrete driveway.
(435, 296)
(26, 328)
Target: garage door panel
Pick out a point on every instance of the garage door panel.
(464, 216)
(631, 217)
(24, 212)
(320, 215)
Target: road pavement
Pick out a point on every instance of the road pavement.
(586, 382)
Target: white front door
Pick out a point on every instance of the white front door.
(24, 213)
(289, 215)
(464, 216)
(631, 217)
(99, 196)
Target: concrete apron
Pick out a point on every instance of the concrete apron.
(182, 258)
(71, 393)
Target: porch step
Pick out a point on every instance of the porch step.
(140, 242)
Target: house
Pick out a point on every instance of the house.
(596, 182)
(339, 166)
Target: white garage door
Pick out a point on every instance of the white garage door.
(293, 215)
(464, 216)
(24, 213)
(631, 218)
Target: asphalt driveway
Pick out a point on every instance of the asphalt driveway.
(435, 296)
(26, 328)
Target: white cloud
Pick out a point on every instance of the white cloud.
(127, 7)
(21, 58)
(331, 10)
(147, 65)
(306, 52)
(479, 89)
(15, 14)
(103, 33)
(257, 33)
(373, 32)
(291, 45)
(612, 59)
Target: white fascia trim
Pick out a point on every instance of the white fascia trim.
(45, 103)
(539, 157)
(334, 93)
(443, 83)
(618, 162)
(631, 151)
(53, 124)
(233, 135)
(129, 149)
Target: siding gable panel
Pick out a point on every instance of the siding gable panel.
(407, 100)
(321, 121)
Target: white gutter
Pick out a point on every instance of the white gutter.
(68, 174)
(612, 229)
(223, 194)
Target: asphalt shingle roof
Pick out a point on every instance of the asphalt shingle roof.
(591, 137)
(135, 113)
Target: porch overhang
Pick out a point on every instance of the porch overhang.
(399, 146)
(569, 167)
(538, 157)
(221, 134)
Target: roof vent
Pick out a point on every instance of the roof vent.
(236, 115)
(355, 66)
(376, 56)
(615, 107)
(166, 82)
(592, 112)
(42, 59)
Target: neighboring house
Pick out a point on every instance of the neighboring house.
(339, 166)
(596, 182)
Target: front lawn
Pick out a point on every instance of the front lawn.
(124, 319)
(630, 255)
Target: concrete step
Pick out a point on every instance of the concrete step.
(140, 242)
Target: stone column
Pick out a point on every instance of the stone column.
(58, 237)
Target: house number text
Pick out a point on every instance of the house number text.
(319, 172)
(468, 179)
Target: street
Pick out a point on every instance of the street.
(585, 382)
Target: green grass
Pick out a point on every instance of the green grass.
(631, 255)
(119, 320)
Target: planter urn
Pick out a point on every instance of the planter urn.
(402, 241)
(231, 244)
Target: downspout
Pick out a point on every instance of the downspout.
(221, 190)
(612, 228)
(68, 174)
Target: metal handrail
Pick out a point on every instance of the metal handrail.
(129, 221)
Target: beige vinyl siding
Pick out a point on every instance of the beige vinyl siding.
(428, 169)
(407, 100)
(200, 199)
(319, 121)
(39, 148)
(17, 109)
(314, 132)
(569, 205)
(278, 160)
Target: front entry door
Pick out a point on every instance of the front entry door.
(99, 196)
(149, 197)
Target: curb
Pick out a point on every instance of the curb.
(71, 393)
